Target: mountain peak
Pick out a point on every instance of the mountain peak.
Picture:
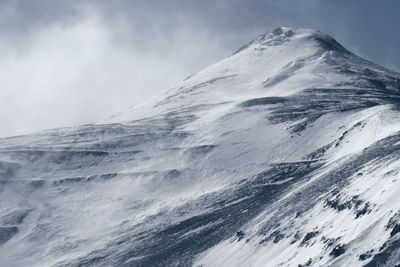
(286, 61)
(293, 36)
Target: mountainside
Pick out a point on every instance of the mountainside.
(286, 153)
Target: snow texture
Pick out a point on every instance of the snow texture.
(286, 153)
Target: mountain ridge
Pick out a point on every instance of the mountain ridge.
(314, 47)
(283, 154)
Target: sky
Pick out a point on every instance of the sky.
(66, 63)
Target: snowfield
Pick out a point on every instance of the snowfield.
(286, 153)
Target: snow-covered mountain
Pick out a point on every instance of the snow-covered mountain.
(286, 153)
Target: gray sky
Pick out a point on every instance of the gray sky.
(66, 63)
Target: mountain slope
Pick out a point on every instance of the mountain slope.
(284, 153)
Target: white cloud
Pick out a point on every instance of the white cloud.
(82, 72)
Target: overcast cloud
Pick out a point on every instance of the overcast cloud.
(66, 63)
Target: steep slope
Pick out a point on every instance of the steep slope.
(285, 153)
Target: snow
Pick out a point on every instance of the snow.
(288, 138)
